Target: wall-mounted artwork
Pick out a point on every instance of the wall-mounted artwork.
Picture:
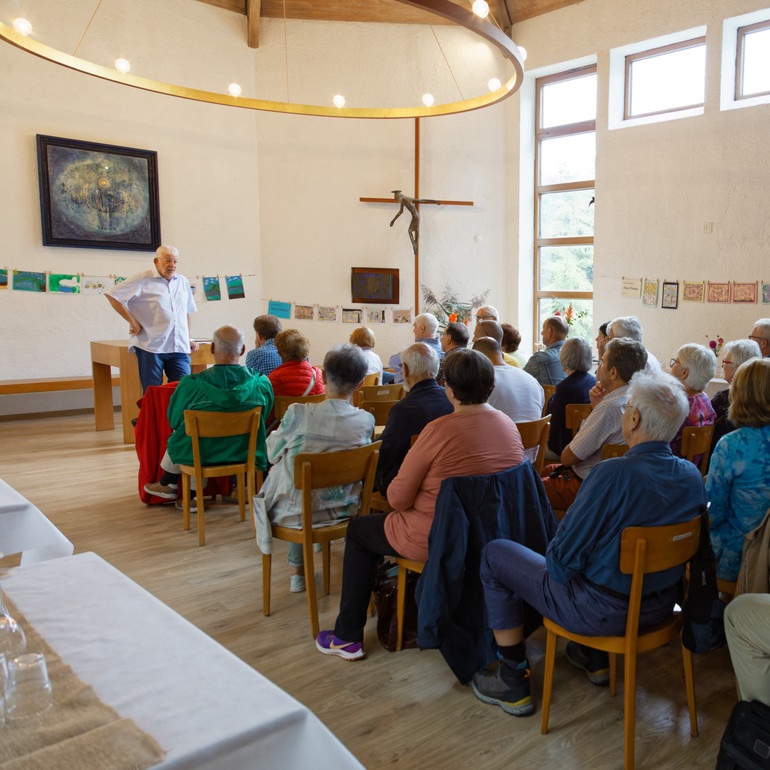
(650, 293)
(765, 293)
(373, 285)
(98, 196)
(327, 312)
(351, 316)
(211, 289)
(23, 280)
(744, 292)
(402, 316)
(718, 292)
(304, 312)
(693, 291)
(63, 284)
(3, 279)
(279, 309)
(95, 284)
(375, 316)
(234, 285)
(670, 295)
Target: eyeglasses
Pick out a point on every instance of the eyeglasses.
(673, 361)
(625, 406)
(728, 363)
(758, 339)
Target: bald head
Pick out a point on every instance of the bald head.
(487, 313)
(227, 345)
(488, 329)
(491, 349)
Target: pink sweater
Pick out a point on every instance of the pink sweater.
(458, 444)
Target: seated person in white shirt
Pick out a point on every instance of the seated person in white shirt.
(629, 326)
(364, 337)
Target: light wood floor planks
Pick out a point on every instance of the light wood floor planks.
(401, 710)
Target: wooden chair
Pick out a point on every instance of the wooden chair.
(548, 390)
(642, 550)
(574, 414)
(380, 410)
(404, 566)
(382, 392)
(369, 381)
(282, 403)
(216, 425)
(614, 450)
(316, 471)
(697, 441)
(534, 434)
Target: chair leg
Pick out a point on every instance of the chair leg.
(266, 564)
(186, 501)
(201, 520)
(251, 483)
(630, 709)
(400, 607)
(550, 660)
(690, 685)
(327, 563)
(312, 605)
(241, 499)
(613, 673)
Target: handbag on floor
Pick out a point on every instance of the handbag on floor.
(746, 740)
(385, 595)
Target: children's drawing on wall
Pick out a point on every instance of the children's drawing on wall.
(693, 291)
(234, 287)
(670, 296)
(327, 312)
(211, 289)
(95, 284)
(3, 279)
(718, 292)
(765, 293)
(351, 316)
(744, 292)
(63, 284)
(304, 312)
(650, 292)
(375, 316)
(24, 280)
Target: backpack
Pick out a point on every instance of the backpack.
(746, 741)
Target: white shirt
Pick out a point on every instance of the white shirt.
(373, 363)
(653, 365)
(161, 307)
(517, 394)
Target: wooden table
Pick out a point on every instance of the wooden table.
(108, 353)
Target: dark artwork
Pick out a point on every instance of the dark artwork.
(375, 285)
(98, 195)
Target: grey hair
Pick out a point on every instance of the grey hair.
(576, 355)
(421, 359)
(161, 251)
(701, 362)
(345, 366)
(662, 404)
(490, 310)
(742, 350)
(228, 344)
(626, 326)
(429, 321)
(763, 325)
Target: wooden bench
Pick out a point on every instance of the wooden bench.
(49, 384)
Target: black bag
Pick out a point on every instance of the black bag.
(385, 596)
(746, 741)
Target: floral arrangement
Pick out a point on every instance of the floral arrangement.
(716, 345)
(568, 312)
(449, 308)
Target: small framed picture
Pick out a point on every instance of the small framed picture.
(744, 292)
(670, 295)
(718, 292)
(693, 291)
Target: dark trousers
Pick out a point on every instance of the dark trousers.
(365, 545)
(152, 366)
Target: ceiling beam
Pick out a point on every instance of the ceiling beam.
(253, 9)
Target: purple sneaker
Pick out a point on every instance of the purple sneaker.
(327, 643)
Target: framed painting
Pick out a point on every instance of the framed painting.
(98, 196)
(693, 291)
(670, 296)
(718, 292)
(744, 292)
(374, 285)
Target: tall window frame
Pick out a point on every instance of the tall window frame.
(544, 133)
(739, 59)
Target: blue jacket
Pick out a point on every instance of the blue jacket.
(571, 390)
(470, 512)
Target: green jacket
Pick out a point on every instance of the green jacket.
(221, 388)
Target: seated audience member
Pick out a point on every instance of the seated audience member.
(694, 365)
(487, 313)
(516, 393)
(734, 354)
(485, 328)
(455, 337)
(761, 335)
(510, 346)
(326, 426)
(601, 340)
(544, 365)
(475, 439)
(364, 337)
(295, 376)
(622, 359)
(425, 328)
(576, 360)
(747, 628)
(629, 326)
(224, 387)
(738, 483)
(578, 583)
(424, 402)
(264, 358)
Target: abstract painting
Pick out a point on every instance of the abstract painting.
(304, 312)
(402, 316)
(744, 292)
(234, 287)
(718, 292)
(327, 312)
(693, 291)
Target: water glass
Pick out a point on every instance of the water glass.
(29, 689)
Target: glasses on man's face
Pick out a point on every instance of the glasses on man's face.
(624, 407)
(673, 362)
(758, 339)
(728, 363)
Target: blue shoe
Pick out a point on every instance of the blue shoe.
(327, 643)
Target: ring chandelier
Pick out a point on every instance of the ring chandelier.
(444, 8)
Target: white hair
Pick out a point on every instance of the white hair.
(576, 355)
(492, 311)
(701, 362)
(626, 326)
(742, 350)
(421, 359)
(661, 402)
(763, 326)
(429, 321)
(162, 251)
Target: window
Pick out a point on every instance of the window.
(666, 79)
(565, 155)
(752, 64)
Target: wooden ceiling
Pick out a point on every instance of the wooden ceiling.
(505, 12)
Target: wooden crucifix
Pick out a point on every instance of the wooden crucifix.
(413, 206)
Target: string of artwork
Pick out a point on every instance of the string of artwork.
(651, 291)
(335, 313)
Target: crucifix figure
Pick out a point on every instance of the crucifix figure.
(409, 204)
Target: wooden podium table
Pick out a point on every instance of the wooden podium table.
(108, 353)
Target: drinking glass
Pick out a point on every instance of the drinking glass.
(29, 688)
(12, 639)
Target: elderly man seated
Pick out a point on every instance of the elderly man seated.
(629, 326)
(224, 387)
(544, 365)
(578, 583)
(424, 402)
(425, 328)
(622, 359)
(455, 337)
(760, 333)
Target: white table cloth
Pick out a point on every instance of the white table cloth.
(204, 706)
(24, 529)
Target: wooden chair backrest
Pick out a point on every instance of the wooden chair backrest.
(574, 414)
(697, 441)
(380, 410)
(548, 391)
(369, 380)
(382, 392)
(282, 403)
(534, 434)
(200, 425)
(614, 450)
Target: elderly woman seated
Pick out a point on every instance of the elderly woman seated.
(694, 365)
(364, 337)
(576, 360)
(327, 426)
(510, 346)
(474, 439)
(738, 483)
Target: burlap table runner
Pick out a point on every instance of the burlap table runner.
(79, 731)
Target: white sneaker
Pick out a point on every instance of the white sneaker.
(297, 585)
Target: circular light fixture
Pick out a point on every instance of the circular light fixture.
(427, 100)
(523, 52)
(493, 84)
(481, 8)
(339, 101)
(234, 90)
(122, 65)
(23, 27)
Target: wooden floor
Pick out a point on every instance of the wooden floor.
(391, 709)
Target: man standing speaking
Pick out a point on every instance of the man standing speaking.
(157, 305)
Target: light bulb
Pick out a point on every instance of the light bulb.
(523, 52)
(339, 101)
(481, 8)
(494, 84)
(427, 100)
(22, 26)
(234, 89)
(122, 65)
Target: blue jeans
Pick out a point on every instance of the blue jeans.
(152, 366)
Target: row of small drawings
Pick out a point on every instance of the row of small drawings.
(331, 313)
(76, 283)
(737, 292)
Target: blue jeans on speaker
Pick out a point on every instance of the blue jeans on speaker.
(152, 366)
